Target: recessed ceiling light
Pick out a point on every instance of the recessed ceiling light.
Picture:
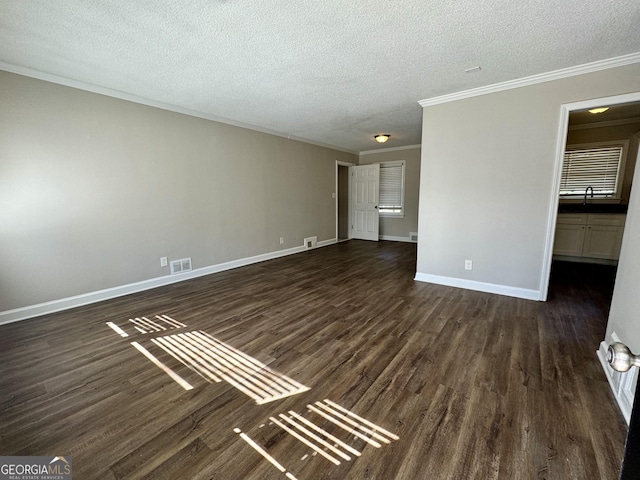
(383, 137)
(598, 110)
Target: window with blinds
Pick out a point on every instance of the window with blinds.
(596, 166)
(391, 200)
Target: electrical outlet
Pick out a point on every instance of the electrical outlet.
(281, 240)
(468, 265)
(164, 261)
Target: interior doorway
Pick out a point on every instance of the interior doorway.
(575, 123)
(594, 229)
(342, 200)
(601, 151)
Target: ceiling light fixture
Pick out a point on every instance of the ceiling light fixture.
(598, 110)
(383, 137)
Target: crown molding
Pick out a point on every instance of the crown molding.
(391, 149)
(89, 87)
(535, 79)
(608, 123)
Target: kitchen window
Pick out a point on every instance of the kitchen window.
(596, 165)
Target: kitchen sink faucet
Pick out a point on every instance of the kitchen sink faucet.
(586, 190)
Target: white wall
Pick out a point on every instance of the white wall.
(486, 181)
(624, 316)
(94, 190)
(395, 226)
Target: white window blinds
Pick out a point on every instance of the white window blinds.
(596, 167)
(391, 199)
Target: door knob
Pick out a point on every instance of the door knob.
(620, 357)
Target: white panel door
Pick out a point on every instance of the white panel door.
(365, 181)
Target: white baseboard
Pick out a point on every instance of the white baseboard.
(479, 286)
(396, 239)
(621, 383)
(324, 243)
(53, 306)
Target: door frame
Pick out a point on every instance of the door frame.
(340, 163)
(563, 128)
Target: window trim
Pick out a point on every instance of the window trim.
(395, 163)
(617, 196)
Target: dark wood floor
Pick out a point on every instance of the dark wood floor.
(476, 386)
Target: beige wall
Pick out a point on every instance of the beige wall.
(487, 172)
(94, 190)
(606, 134)
(393, 226)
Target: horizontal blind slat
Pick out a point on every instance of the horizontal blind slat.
(390, 197)
(590, 167)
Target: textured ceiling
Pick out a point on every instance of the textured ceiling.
(332, 72)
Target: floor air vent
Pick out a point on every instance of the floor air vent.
(179, 266)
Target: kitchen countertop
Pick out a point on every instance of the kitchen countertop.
(592, 208)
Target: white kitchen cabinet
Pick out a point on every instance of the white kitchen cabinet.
(584, 236)
(602, 241)
(569, 240)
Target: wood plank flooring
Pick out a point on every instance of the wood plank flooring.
(476, 386)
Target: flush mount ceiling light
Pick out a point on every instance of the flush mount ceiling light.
(598, 110)
(383, 137)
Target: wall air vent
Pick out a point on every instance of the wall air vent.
(310, 242)
(413, 236)
(179, 266)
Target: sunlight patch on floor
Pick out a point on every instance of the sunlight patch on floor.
(264, 453)
(174, 376)
(210, 358)
(160, 324)
(215, 360)
(314, 433)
